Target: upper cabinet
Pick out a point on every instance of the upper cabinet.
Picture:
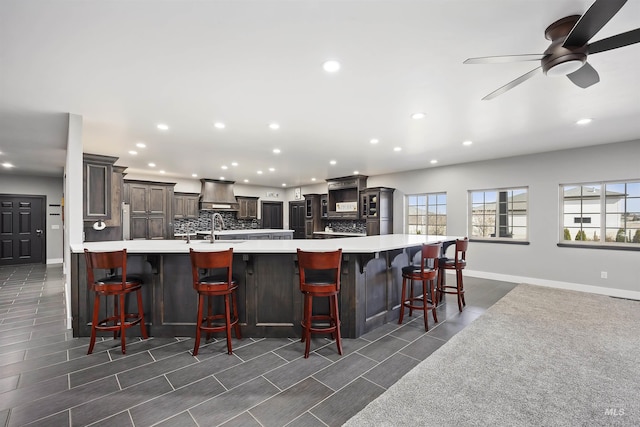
(185, 205)
(97, 181)
(312, 214)
(344, 196)
(151, 206)
(247, 207)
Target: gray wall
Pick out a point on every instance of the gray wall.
(541, 262)
(47, 186)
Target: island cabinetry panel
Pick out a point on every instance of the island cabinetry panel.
(247, 207)
(97, 181)
(343, 197)
(185, 205)
(376, 206)
(151, 209)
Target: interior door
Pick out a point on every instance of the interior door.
(22, 229)
(297, 216)
(272, 215)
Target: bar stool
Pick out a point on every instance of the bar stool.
(118, 286)
(320, 277)
(216, 283)
(426, 273)
(457, 263)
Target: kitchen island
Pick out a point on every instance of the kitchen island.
(269, 299)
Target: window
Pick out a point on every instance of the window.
(603, 212)
(427, 214)
(499, 214)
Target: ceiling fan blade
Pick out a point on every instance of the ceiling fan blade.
(614, 42)
(600, 12)
(503, 59)
(585, 76)
(512, 84)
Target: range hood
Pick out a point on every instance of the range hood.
(216, 194)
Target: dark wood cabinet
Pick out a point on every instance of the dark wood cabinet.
(312, 210)
(185, 205)
(343, 197)
(150, 206)
(376, 207)
(97, 181)
(247, 207)
(297, 218)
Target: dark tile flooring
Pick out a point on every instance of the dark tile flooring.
(47, 379)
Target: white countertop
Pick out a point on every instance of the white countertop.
(368, 244)
(339, 233)
(246, 231)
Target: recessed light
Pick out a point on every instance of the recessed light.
(225, 167)
(194, 175)
(418, 116)
(141, 145)
(219, 125)
(234, 163)
(433, 162)
(583, 121)
(284, 185)
(7, 165)
(332, 162)
(467, 143)
(276, 151)
(222, 177)
(272, 169)
(331, 66)
(133, 152)
(274, 126)
(259, 172)
(162, 126)
(152, 165)
(162, 171)
(356, 173)
(246, 180)
(374, 141)
(397, 149)
(313, 179)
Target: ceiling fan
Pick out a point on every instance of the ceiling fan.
(567, 54)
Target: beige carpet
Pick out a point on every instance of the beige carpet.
(540, 356)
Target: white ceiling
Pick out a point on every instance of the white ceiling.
(126, 66)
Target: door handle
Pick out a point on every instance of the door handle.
(39, 232)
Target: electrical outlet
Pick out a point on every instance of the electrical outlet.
(603, 274)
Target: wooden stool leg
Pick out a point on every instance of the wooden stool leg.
(425, 303)
(198, 324)
(461, 289)
(336, 319)
(123, 333)
(432, 295)
(402, 294)
(209, 315)
(307, 324)
(304, 318)
(94, 322)
(458, 277)
(227, 320)
(116, 314)
(235, 315)
(143, 327)
(410, 297)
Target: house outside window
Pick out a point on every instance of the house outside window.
(499, 214)
(427, 214)
(601, 213)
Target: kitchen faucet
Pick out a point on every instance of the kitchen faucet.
(215, 216)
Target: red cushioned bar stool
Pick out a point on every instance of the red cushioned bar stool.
(320, 277)
(217, 281)
(427, 273)
(116, 284)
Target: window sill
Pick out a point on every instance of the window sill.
(502, 241)
(610, 247)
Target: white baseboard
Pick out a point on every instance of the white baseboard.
(620, 293)
(54, 261)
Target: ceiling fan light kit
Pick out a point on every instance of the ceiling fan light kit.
(570, 47)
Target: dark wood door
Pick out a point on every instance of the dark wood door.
(22, 229)
(272, 215)
(297, 217)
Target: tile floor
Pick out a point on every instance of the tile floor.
(47, 379)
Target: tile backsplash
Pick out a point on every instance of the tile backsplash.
(203, 222)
